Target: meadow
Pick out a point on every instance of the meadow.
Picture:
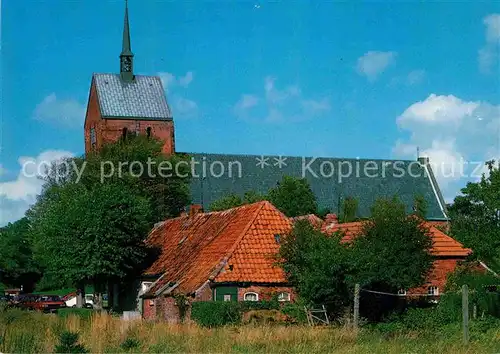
(29, 332)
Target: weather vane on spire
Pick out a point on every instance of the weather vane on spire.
(126, 56)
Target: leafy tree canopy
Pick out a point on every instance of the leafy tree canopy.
(89, 225)
(475, 217)
(16, 260)
(349, 210)
(392, 251)
(234, 200)
(293, 196)
(316, 265)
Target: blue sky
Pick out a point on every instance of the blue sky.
(327, 79)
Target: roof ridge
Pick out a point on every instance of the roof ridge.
(295, 156)
(229, 254)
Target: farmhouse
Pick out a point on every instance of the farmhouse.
(231, 256)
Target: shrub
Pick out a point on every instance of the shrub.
(215, 313)
(295, 312)
(68, 344)
(80, 312)
(259, 305)
(264, 317)
(130, 343)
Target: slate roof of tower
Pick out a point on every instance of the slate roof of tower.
(329, 190)
(144, 98)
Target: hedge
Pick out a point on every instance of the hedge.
(220, 313)
(215, 313)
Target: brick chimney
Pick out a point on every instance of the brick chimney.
(195, 209)
(331, 219)
(423, 160)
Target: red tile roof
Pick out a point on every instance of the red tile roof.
(443, 245)
(239, 245)
(313, 219)
(197, 248)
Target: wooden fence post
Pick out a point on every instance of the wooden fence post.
(356, 306)
(465, 312)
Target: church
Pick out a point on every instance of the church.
(124, 103)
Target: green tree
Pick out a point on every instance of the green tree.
(316, 265)
(392, 251)
(138, 163)
(420, 206)
(16, 258)
(475, 217)
(227, 202)
(253, 197)
(293, 196)
(89, 227)
(234, 200)
(92, 235)
(349, 210)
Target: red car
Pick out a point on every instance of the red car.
(45, 303)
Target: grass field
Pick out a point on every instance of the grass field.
(100, 333)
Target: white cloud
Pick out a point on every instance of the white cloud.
(169, 80)
(245, 103)
(186, 79)
(373, 63)
(415, 77)
(182, 107)
(492, 23)
(488, 55)
(313, 107)
(437, 110)
(17, 195)
(280, 104)
(67, 112)
(457, 135)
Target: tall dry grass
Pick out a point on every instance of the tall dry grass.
(102, 333)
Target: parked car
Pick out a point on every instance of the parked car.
(45, 303)
(70, 300)
(6, 300)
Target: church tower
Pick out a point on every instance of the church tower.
(123, 104)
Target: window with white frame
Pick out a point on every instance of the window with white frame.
(284, 296)
(432, 291)
(227, 297)
(401, 292)
(251, 297)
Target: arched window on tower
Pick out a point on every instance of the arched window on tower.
(93, 140)
(124, 134)
(148, 132)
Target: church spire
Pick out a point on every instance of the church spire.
(126, 56)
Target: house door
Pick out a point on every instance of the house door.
(226, 293)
